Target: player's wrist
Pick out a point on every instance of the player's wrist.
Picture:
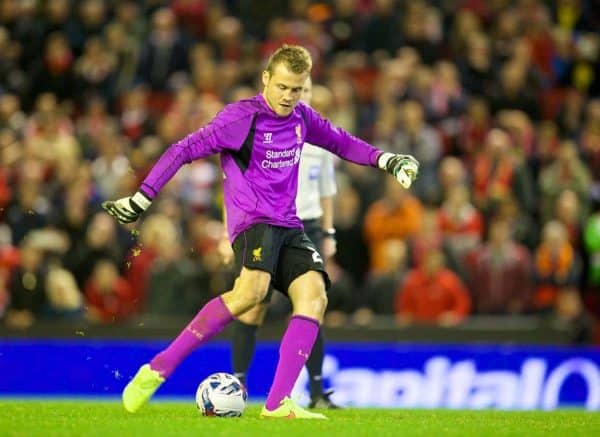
(383, 158)
(141, 200)
(329, 232)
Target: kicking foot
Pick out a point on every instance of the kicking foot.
(141, 388)
(323, 401)
(288, 409)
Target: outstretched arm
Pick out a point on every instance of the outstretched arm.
(226, 131)
(322, 133)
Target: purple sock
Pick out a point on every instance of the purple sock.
(209, 321)
(296, 344)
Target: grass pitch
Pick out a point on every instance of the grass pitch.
(87, 418)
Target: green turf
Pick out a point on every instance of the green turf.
(86, 418)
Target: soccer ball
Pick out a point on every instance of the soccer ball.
(222, 395)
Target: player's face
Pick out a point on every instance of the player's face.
(282, 89)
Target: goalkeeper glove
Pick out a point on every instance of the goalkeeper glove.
(127, 209)
(404, 168)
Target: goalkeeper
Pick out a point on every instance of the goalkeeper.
(314, 204)
(260, 141)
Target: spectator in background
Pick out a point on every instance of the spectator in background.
(565, 172)
(571, 114)
(27, 293)
(345, 25)
(11, 114)
(500, 273)
(451, 173)
(547, 144)
(51, 142)
(92, 16)
(29, 210)
(9, 260)
(396, 215)
(569, 213)
(523, 228)
(432, 293)
(460, 222)
(348, 223)
(380, 288)
(177, 285)
(128, 14)
(192, 15)
(342, 296)
(557, 273)
(465, 23)
(125, 50)
(111, 163)
(93, 123)
(513, 92)
(95, 71)
(475, 125)
(57, 16)
(99, 242)
(477, 69)
(109, 297)
(64, 298)
(381, 28)
(421, 30)
(75, 213)
(53, 72)
(164, 53)
(430, 237)
(156, 231)
(136, 119)
(589, 143)
(497, 173)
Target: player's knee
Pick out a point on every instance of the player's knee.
(319, 302)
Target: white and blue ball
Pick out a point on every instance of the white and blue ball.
(222, 395)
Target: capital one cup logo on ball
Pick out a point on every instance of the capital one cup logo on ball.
(221, 395)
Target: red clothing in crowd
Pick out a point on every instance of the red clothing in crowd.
(111, 306)
(426, 298)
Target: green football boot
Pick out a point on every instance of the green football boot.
(141, 388)
(288, 409)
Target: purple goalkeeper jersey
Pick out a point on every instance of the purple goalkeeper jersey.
(260, 152)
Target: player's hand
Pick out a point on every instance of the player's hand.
(404, 168)
(127, 209)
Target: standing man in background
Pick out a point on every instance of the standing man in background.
(314, 205)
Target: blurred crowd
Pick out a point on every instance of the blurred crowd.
(499, 100)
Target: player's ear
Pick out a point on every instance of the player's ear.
(265, 77)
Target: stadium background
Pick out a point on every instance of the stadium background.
(497, 99)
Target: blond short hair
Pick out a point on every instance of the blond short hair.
(296, 58)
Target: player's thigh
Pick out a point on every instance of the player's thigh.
(255, 316)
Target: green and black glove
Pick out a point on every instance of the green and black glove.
(404, 168)
(127, 209)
